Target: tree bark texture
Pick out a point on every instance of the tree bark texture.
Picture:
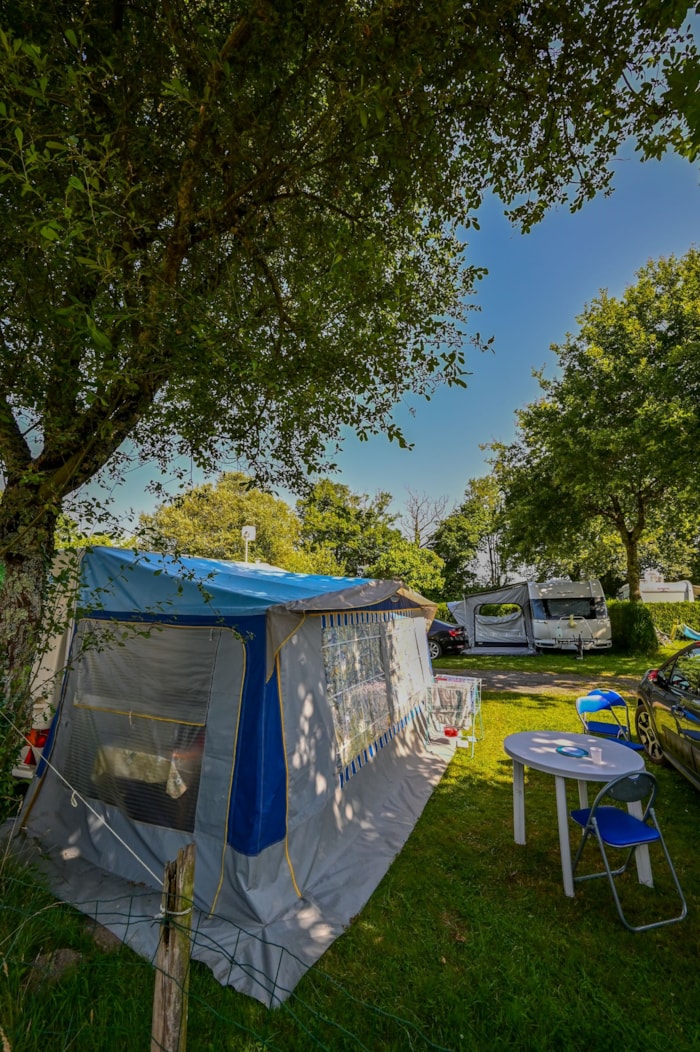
(27, 543)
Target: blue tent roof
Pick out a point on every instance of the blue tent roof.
(120, 580)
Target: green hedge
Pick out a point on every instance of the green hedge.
(498, 609)
(632, 627)
(667, 616)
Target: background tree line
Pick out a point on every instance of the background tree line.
(331, 531)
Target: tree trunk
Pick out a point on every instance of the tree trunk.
(629, 539)
(27, 546)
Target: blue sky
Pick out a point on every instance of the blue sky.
(536, 286)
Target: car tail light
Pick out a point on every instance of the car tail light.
(37, 738)
(454, 632)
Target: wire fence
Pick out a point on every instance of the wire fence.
(67, 984)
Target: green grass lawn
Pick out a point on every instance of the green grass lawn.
(592, 666)
(468, 943)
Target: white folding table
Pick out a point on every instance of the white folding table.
(538, 749)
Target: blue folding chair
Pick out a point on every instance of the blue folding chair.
(614, 827)
(598, 702)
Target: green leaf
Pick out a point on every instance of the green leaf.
(99, 337)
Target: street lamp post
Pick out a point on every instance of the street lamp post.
(248, 534)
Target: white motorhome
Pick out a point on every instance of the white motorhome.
(549, 615)
(569, 615)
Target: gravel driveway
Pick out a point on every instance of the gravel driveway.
(551, 682)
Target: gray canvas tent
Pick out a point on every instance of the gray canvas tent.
(511, 633)
(274, 719)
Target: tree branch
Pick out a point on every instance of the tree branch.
(14, 449)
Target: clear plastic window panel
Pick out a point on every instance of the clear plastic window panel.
(409, 678)
(356, 686)
(374, 677)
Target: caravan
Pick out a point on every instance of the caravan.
(657, 590)
(549, 615)
(569, 615)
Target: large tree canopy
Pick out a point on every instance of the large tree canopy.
(358, 530)
(612, 443)
(230, 226)
(208, 521)
(594, 548)
(418, 568)
(469, 541)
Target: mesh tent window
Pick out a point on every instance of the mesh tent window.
(138, 699)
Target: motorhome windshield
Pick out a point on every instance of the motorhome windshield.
(554, 609)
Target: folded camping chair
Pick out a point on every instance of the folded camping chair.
(614, 827)
(599, 702)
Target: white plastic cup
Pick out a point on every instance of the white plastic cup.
(596, 754)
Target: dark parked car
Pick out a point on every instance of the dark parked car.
(444, 638)
(668, 713)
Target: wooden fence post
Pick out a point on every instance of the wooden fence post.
(169, 1025)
